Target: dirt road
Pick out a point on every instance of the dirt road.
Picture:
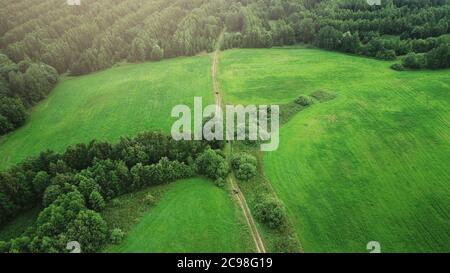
(238, 196)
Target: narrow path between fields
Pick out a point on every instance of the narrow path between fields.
(238, 196)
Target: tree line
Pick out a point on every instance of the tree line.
(74, 186)
(96, 35)
(22, 85)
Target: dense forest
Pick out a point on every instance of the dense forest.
(97, 34)
(36, 37)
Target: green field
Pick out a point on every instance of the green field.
(371, 164)
(121, 101)
(191, 216)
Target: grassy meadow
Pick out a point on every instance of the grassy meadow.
(370, 165)
(194, 215)
(106, 105)
(191, 216)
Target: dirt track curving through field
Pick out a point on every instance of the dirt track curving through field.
(238, 196)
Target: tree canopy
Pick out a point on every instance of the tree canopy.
(95, 35)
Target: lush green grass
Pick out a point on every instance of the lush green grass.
(281, 240)
(126, 211)
(372, 164)
(191, 216)
(106, 105)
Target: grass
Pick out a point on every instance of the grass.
(191, 216)
(19, 224)
(283, 239)
(371, 164)
(126, 211)
(121, 101)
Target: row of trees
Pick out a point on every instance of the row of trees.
(74, 186)
(98, 34)
(22, 85)
(352, 26)
(394, 29)
(434, 59)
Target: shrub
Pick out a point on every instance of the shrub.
(413, 61)
(212, 164)
(303, 100)
(19, 244)
(438, 57)
(244, 165)
(240, 158)
(270, 211)
(150, 200)
(386, 55)
(116, 236)
(4, 247)
(286, 244)
(398, 67)
(246, 171)
(220, 182)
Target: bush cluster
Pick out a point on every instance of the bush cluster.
(270, 211)
(244, 165)
(304, 100)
